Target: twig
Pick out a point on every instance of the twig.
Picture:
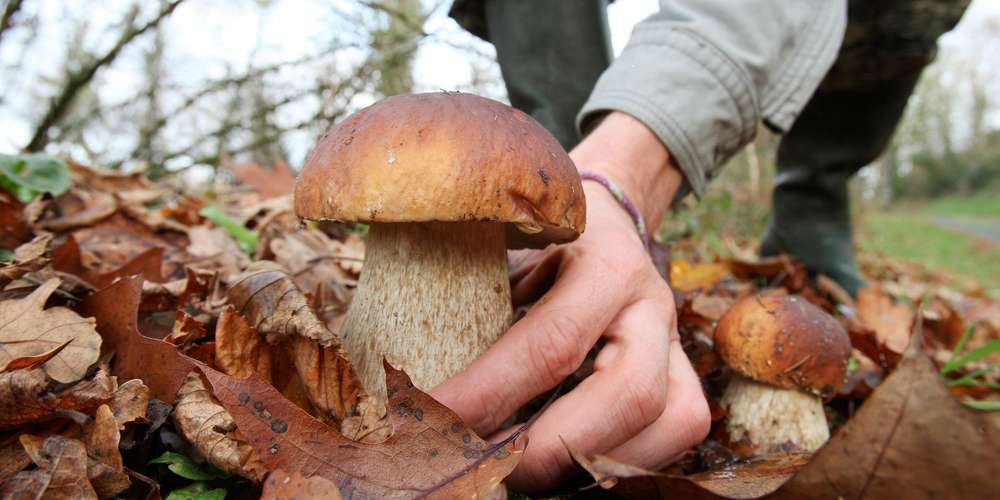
(79, 79)
(8, 15)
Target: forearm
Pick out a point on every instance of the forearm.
(624, 150)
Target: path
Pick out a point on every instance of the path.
(985, 228)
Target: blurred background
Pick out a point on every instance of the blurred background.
(182, 88)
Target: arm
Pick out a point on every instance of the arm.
(688, 91)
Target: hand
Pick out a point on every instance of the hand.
(643, 404)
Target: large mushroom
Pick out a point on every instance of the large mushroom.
(787, 355)
(448, 182)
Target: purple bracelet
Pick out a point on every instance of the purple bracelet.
(623, 200)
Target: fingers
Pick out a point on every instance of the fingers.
(540, 350)
(618, 401)
(685, 420)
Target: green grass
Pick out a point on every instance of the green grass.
(979, 205)
(913, 238)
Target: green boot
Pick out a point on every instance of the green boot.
(837, 133)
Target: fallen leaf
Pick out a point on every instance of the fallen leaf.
(269, 182)
(605, 471)
(269, 299)
(186, 330)
(129, 402)
(328, 377)
(78, 208)
(687, 277)
(33, 361)
(779, 271)
(27, 329)
(115, 309)
(214, 248)
(281, 485)
(910, 439)
(13, 229)
(61, 472)
(209, 428)
(118, 239)
(104, 467)
(756, 479)
(239, 350)
(430, 452)
(891, 322)
(313, 259)
(13, 458)
(26, 395)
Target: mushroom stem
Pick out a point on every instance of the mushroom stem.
(431, 298)
(774, 419)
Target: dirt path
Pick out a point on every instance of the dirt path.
(985, 228)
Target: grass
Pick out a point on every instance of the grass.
(979, 205)
(911, 237)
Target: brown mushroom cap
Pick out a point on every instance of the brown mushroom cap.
(444, 156)
(784, 341)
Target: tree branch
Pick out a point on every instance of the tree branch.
(8, 15)
(79, 79)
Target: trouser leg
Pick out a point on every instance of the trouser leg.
(551, 53)
(837, 133)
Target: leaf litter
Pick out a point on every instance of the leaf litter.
(215, 335)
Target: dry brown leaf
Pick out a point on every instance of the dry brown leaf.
(241, 351)
(269, 299)
(312, 259)
(742, 481)
(27, 329)
(104, 466)
(328, 377)
(61, 472)
(186, 330)
(891, 322)
(351, 252)
(209, 427)
(115, 309)
(269, 182)
(13, 458)
(214, 248)
(910, 439)
(33, 361)
(78, 208)
(26, 395)
(13, 228)
(281, 485)
(686, 276)
(129, 402)
(118, 239)
(605, 471)
(779, 271)
(431, 451)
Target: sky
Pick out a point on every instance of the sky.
(207, 38)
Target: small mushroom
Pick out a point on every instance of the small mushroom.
(448, 182)
(787, 355)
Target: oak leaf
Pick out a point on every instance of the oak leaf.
(431, 451)
(115, 309)
(61, 472)
(281, 485)
(129, 402)
(105, 469)
(891, 322)
(209, 427)
(27, 395)
(27, 329)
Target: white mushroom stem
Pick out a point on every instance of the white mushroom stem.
(774, 419)
(431, 298)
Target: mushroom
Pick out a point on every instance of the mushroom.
(447, 181)
(787, 355)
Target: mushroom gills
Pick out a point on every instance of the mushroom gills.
(432, 296)
(774, 419)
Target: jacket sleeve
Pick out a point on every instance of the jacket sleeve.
(702, 74)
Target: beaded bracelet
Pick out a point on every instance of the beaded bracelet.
(622, 200)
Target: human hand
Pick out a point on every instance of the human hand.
(643, 403)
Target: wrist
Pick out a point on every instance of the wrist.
(629, 154)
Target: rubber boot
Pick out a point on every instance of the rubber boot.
(551, 53)
(837, 133)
